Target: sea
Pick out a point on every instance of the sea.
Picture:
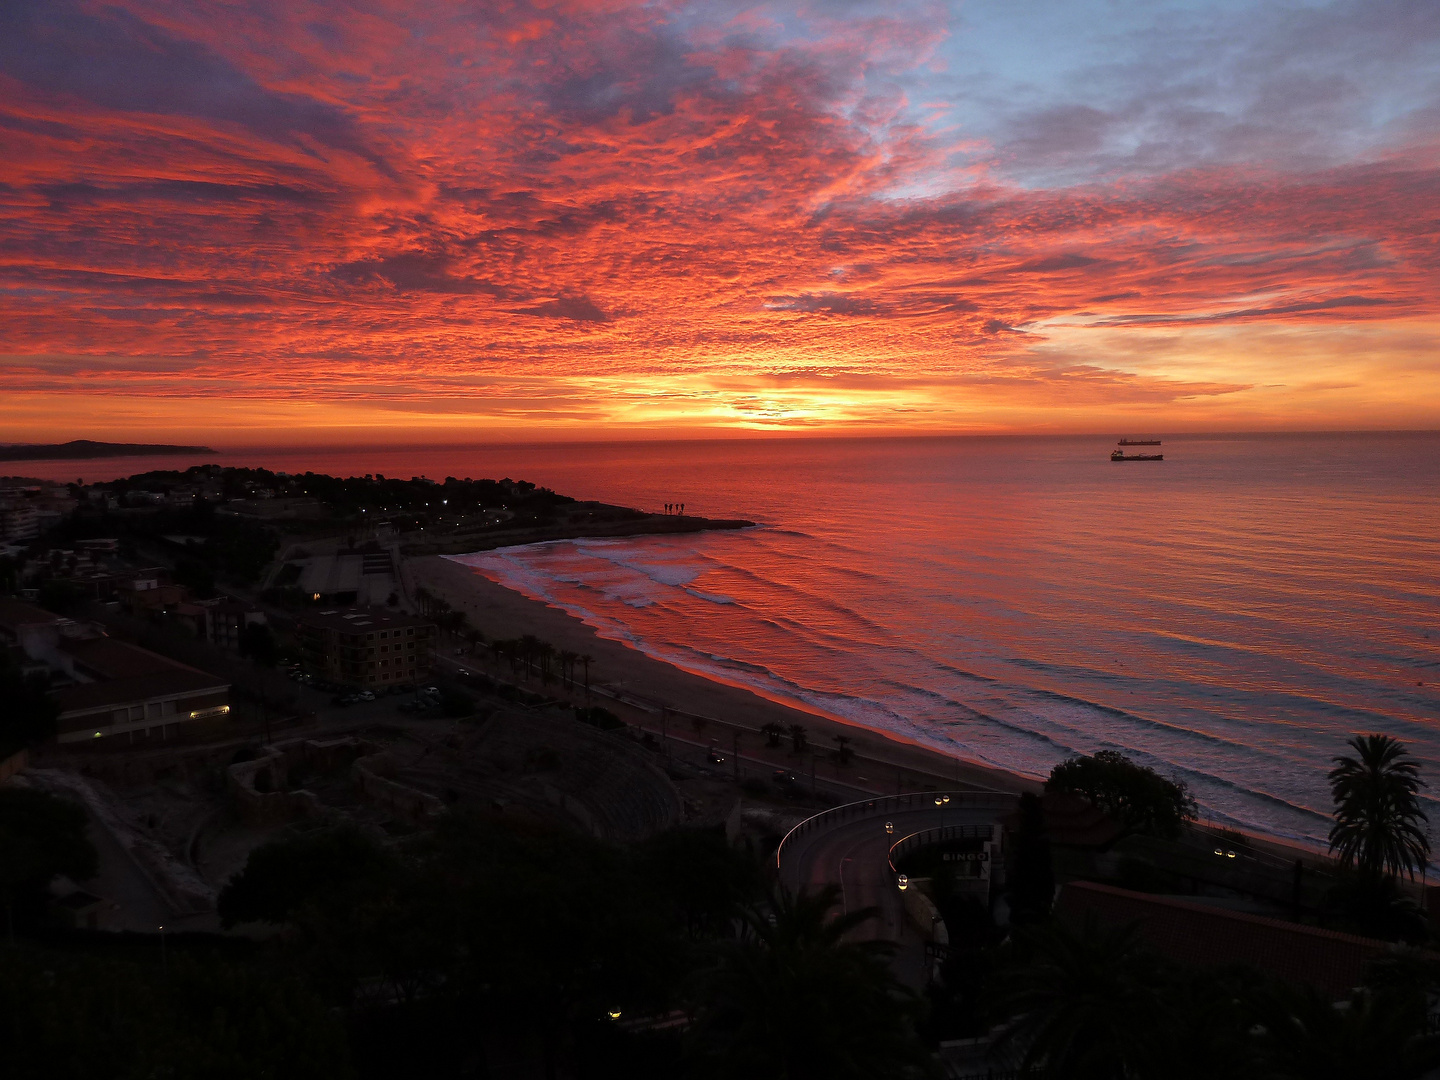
(1230, 615)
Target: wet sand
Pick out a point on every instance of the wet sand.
(652, 692)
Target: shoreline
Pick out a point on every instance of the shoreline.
(638, 686)
(615, 521)
(700, 704)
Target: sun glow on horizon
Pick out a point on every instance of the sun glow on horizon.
(610, 219)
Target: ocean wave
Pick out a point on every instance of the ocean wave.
(714, 598)
(998, 614)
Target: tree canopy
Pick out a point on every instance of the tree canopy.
(40, 836)
(29, 712)
(1135, 794)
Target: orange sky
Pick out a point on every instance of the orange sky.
(302, 222)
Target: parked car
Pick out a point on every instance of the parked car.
(714, 756)
(366, 695)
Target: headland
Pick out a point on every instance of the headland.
(84, 449)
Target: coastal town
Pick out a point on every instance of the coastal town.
(258, 723)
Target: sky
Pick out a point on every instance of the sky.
(280, 222)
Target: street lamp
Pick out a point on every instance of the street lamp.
(903, 881)
(889, 828)
(614, 1014)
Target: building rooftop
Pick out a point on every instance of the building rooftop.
(17, 613)
(351, 620)
(124, 691)
(106, 658)
(1202, 936)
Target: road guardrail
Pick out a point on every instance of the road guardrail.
(888, 804)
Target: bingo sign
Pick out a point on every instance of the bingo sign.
(966, 856)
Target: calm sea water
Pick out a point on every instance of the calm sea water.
(1230, 615)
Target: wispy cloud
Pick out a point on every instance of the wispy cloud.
(395, 204)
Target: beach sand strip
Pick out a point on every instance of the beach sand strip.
(650, 693)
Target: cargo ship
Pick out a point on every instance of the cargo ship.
(1120, 455)
(1139, 442)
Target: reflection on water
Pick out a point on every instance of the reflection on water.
(1231, 614)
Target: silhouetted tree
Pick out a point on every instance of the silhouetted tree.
(793, 998)
(196, 576)
(1085, 1004)
(1378, 819)
(1377, 1034)
(799, 738)
(1032, 878)
(1136, 794)
(329, 869)
(27, 711)
(40, 836)
(258, 643)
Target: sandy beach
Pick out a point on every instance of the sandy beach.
(883, 763)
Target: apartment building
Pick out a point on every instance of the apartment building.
(365, 647)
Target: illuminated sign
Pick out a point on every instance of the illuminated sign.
(206, 714)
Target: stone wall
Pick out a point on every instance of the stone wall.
(373, 776)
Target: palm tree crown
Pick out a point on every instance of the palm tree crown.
(1378, 821)
(1086, 1004)
(795, 999)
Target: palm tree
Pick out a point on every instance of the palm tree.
(793, 999)
(529, 646)
(1378, 1034)
(843, 752)
(773, 734)
(1378, 821)
(585, 659)
(422, 598)
(798, 737)
(1085, 1006)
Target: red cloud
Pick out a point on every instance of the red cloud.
(299, 195)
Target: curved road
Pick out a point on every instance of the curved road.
(853, 852)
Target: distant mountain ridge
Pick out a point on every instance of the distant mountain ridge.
(87, 448)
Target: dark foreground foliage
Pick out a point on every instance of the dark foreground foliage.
(1090, 1002)
(195, 1016)
(488, 942)
(40, 837)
